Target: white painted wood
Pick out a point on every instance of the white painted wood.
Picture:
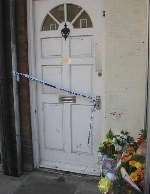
(33, 86)
(53, 74)
(64, 128)
(65, 11)
(79, 143)
(81, 46)
(78, 81)
(51, 51)
(53, 126)
(77, 16)
(53, 18)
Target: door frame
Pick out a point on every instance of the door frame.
(33, 86)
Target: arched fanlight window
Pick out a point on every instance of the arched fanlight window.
(58, 13)
(49, 24)
(74, 14)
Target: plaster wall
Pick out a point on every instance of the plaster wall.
(125, 64)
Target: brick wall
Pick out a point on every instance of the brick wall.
(126, 59)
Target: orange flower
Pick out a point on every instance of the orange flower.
(134, 176)
(140, 139)
(138, 175)
(126, 157)
(128, 154)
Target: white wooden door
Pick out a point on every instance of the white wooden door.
(67, 139)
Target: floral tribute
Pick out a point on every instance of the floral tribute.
(122, 161)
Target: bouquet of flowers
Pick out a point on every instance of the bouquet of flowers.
(126, 169)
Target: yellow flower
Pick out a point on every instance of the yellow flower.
(135, 164)
(104, 185)
(138, 175)
(134, 176)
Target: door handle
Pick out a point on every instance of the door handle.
(67, 99)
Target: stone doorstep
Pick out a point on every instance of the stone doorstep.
(67, 174)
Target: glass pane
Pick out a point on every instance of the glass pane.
(49, 24)
(72, 11)
(58, 12)
(83, 21)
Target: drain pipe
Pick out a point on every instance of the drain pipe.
(15, 86)
(1, 62)
(147, 120)
(9, 135)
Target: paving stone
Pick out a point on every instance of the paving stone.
(8, 185)
(48, 183)
(87, 188)
(46, 186)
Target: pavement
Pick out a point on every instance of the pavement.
(49, 182)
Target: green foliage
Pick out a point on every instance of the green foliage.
(110, 135)
(108, 149)
(114, 144)
(124, 189)
(128, 167)
(120, 186)
(143, 132)
(138, 158)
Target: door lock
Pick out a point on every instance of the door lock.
(98, 103)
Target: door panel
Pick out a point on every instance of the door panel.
(53, 126)
(49, 50)
(81, 78)
(81, 46)
(52, 74)
(80, 130)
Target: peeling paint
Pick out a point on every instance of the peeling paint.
(116, 115)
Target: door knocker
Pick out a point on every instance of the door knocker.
(65, 31)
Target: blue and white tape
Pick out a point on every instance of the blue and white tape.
(33, 78)
(92, 99)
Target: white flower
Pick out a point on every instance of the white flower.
(114, 140)
(124, 137)
(111, 176)
(118, 147)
